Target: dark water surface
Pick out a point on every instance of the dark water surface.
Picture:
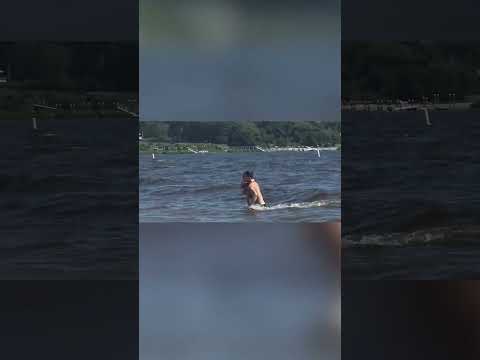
(411, 195)
(69, 199)
(298, 187)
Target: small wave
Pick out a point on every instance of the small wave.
(300, 205)
(215, 188)
(436, 236)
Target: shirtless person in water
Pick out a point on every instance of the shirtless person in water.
(251, 190)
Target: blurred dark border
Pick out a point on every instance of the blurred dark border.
(410, 20)
(77, 320)
(57, 20)
(410, 320)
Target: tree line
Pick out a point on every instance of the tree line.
(72, 66)
(396, 70)
(245, 133)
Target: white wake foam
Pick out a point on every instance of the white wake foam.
(419, 237)
(395, 239)
(300, 205)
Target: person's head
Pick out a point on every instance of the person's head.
(247, 176)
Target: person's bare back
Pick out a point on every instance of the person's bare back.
(252, 189)
(256, 194)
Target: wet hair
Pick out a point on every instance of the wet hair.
(248, 173)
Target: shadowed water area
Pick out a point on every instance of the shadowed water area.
(411, 195)
(69, 199)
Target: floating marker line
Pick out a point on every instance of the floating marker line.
(126, 111)
(44, 107)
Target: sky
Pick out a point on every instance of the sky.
(224, 60)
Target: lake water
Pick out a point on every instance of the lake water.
(69, 199)
(297, 186)
(411, 195)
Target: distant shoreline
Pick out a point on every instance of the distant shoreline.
(27, 115)
(373, 106)
(18, 104)
(201, 148)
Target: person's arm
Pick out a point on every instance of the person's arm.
(259, 193)
(254, 196)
